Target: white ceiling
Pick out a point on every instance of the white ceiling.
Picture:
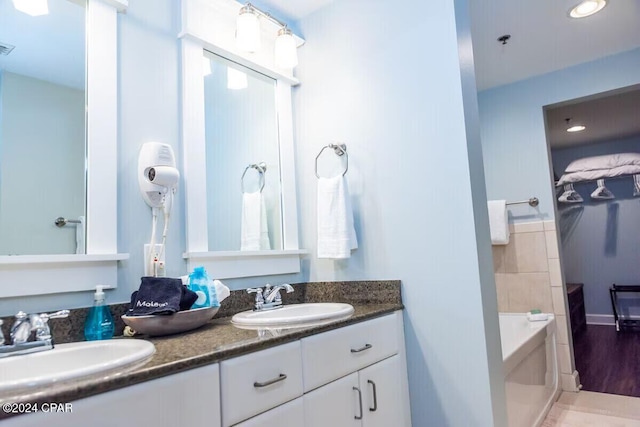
(544, 38)
(48, 47)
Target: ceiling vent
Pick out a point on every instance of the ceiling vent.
(5, 48)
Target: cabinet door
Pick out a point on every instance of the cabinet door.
(336, 404)
(382, 394)
(190, 398)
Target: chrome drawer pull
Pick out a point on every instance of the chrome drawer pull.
(281, 377)
(375, 397)
(366, 347)
(360, 400)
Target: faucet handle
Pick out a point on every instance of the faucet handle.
(56, 315)
(21, 328)
(258, 292)
(259, 298)
(40, 323)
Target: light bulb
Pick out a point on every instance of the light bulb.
(286, 53)
(587, 8)
(576, 128)
(248, 30)
(32, 7)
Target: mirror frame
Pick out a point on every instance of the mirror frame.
(211, 27)
(48, 274)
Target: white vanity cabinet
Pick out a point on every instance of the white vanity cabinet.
(351, 376)
(190, 398)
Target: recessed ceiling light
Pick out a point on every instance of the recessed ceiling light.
(575, 127)
(587, 8)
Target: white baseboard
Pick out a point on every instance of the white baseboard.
(605, 319)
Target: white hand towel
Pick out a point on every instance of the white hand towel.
(498, 222)
(255, 232)
(80, 233)
(336, 233)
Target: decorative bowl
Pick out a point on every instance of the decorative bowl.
(167, 324)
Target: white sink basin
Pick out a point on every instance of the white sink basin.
(295, 315)
(71, 362)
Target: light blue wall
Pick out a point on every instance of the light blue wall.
(600, 239)
(388, 84)
(513, 134)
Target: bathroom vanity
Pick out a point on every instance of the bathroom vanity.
(347, 372)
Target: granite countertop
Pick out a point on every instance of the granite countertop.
(219, 339)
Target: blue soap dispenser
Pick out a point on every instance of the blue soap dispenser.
(99, 323)
(199, 283)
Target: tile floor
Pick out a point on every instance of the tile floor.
(590, 409)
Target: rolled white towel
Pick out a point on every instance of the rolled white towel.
(498, 222)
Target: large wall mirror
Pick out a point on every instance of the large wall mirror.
(242, 157)
(42, 129)
(58, 146)
(237, 138)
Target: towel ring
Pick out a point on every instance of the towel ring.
(261, 168)
(340, 150)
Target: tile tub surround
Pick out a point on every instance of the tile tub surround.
(219, 340)
(528, 275)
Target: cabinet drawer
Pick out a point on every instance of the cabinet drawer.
(256, 382)
(337, 353)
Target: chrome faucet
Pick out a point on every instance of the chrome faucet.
(269, 298)
(21, 331)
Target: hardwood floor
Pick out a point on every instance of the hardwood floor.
(608, 361)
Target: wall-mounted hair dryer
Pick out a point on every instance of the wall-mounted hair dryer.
(157, 173)
(158, 179)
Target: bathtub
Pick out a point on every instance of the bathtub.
(530, 367)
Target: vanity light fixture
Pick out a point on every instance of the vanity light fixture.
(574, 128)
(285, 51)
(248, 29)
(248, 36)
(32, 7)
(587, 8)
